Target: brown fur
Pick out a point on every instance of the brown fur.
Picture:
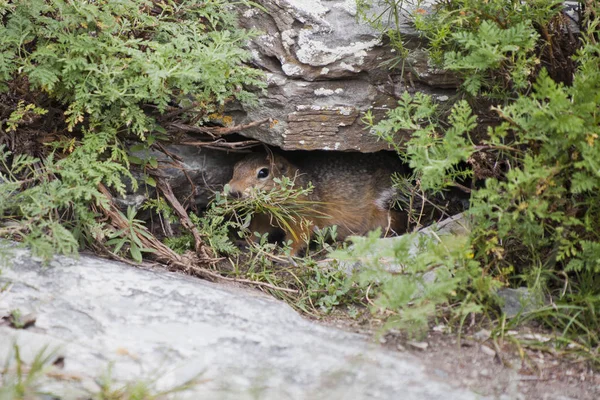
(351, 191)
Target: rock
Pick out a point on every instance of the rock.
(167, 327)
(482, 335)
(487, 350)
(433, 77)
(441, 373)
(418, 345)
(536, 336)
(324, 70)
(456, 225)
(198, 174)
(518, 301)
(207, 169)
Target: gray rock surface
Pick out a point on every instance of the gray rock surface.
(324, 70)
(382, 251)
(521, 300)
(208, 170)
(167, 327)
(195, 175)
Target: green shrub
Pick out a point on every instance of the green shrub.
(536, 217)
(411, 276)
(106, 60)
(495, 46)
(49, 201)
(84, 76)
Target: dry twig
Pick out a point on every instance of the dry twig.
(188, 262)
(214, 132)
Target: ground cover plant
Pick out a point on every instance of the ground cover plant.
(21, 380)
(82, 86)
(533, 172)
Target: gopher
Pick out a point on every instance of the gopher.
(351, 190)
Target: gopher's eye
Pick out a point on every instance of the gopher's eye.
(263, 173)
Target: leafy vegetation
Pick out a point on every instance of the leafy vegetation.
(534, 175)
(106, 61)
(21, 380)
(78, 79)
(416, 274)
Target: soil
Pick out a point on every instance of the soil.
(502, 371)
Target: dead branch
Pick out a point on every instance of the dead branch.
(188, 262)
(162, 252)
(166, 190)
(249, 282)
(220, 144)
(218, 131)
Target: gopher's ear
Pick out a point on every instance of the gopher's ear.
(282, 167)
(278, 164)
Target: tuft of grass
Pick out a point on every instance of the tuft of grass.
(140, 389)
(21, 381)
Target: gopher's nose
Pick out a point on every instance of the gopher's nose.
(235, 194)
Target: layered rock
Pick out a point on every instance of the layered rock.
(325, 68)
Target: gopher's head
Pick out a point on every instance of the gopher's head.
(256, 172)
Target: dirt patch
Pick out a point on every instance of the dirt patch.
(501, 371)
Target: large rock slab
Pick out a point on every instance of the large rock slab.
(325, 68)
(167, 327)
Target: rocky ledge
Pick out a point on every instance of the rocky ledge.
(166, 328)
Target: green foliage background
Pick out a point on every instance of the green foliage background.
(77, 78)
(106, 60)
(534, 210)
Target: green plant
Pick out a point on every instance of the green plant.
(330, 286)
(130, 236)
(161, 207)
(21, 113)
(508, 51)
(386, 16)
(16, 319)
(545, 212)
(110, 389)
(496, 46)
(20, 381)
(413, 277)
(180, 243)
(433, 154)
(535, 217)
(77, 79)
(49, 201)
(106, 60)
(323, 236)
(216, 225)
